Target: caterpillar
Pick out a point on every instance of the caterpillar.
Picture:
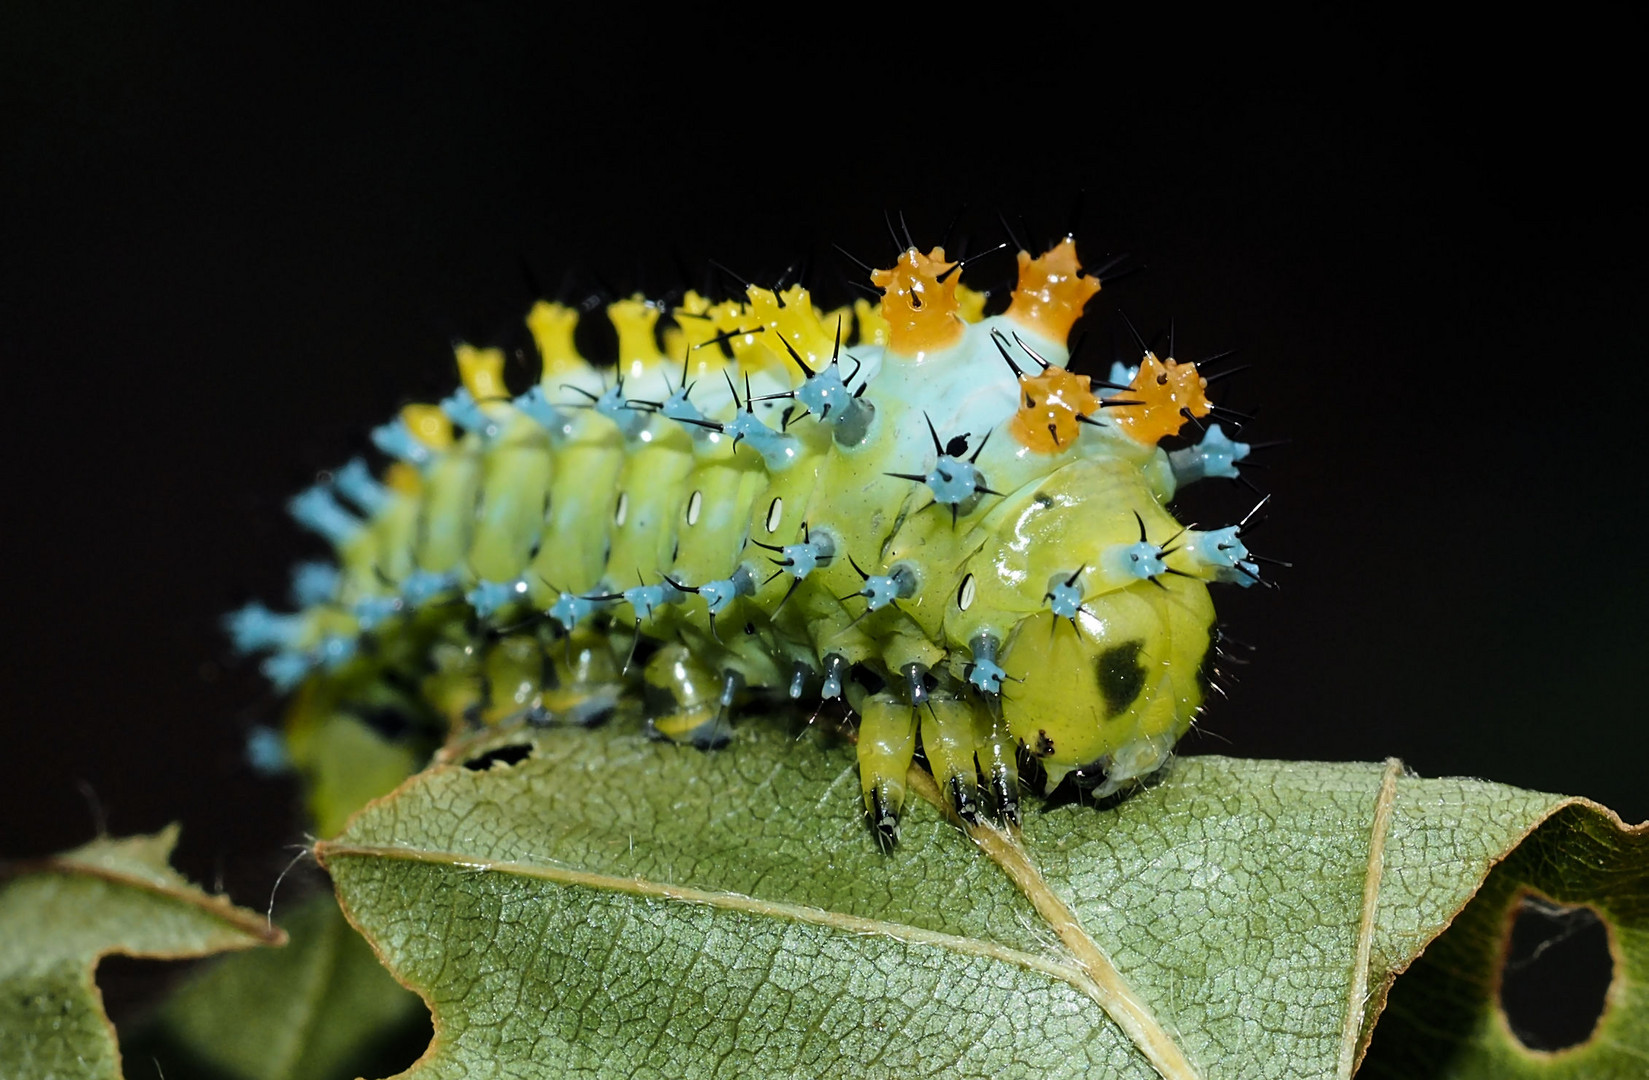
(909, 507)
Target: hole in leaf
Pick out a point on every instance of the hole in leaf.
(1555, 975)
(508, 755)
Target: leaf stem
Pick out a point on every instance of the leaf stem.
(1105, 983)
(1357, 1002)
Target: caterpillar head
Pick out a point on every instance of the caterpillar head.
(1106, 692)
(1095, 604)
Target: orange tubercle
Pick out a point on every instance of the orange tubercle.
(1049, 404)
(1051, 291)
(919, 302)
(1168, 392)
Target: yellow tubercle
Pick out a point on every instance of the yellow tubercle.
(842, 316)
(482, 372)
(873, 329)
(552, 331)
(429, 425)
(1169, 394)
(698, 323)
(1049, 404)
(634, 319)
(970, 303)
(684, 316)
(1051, 291)
(919, 302)
(787, 315)
(403, 479)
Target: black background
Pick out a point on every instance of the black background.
(230, 244)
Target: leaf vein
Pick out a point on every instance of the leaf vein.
(728, 901)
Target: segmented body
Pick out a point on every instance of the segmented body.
(937, 523)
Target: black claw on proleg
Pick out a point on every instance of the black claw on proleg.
(884, 820)
(1004, 792)
(961, 797)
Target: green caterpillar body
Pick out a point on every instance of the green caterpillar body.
(937, 524)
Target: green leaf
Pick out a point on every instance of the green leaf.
(312, 1010)
(613, 906)
(59, 916)
(1443, 1018)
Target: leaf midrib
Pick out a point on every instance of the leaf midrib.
(727, 901)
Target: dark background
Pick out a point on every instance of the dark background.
(229, 247)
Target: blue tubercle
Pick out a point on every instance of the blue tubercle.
(397, 441)
(880, 590)
(1121, 375)
(286, 669)
(1224, 549)
(489, 596)
(1140, 561)
(984, 673)
(370, 611)
(255, 628)
(776, 449)
(1216, 455)
(315, 509)
(421, 586)
(798, 682)
(953, 480)
(335, 651)
(538, 406)
(314, 583)
(825, 395)
(356, 483)
(266, 751)
(836, 668)
(616, 407)
(570, 609)
(648, 598)
(802, 559)
(718, 594)
(461, 408)
(1065, 597)
(678, 407)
